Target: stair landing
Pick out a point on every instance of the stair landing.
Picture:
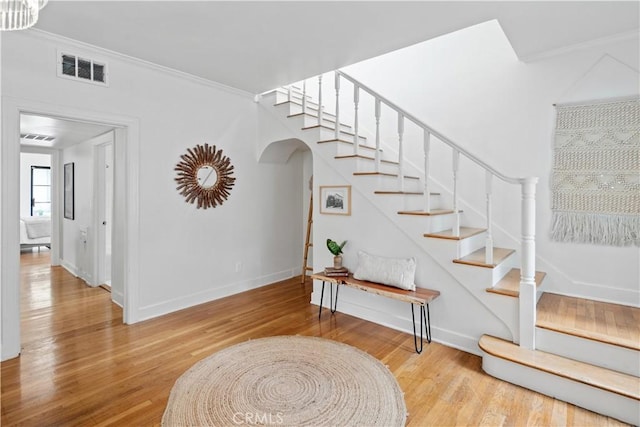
(600, 321)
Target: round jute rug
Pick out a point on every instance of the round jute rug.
(289, 381)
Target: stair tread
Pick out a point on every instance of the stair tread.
(325, 116)
(331, 128)
(366, 147)
(465, 232)
(406, 193)
(432, 212)
(596, 376)
(510, 284)
(477, 258)
(394, 175)
(360, 156)
(600, 321)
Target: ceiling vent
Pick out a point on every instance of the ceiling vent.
(83, 69)
(34, 137)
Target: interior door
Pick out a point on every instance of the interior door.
(105, 211)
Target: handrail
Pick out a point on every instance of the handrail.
(432, 131)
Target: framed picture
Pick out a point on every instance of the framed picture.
(68, 191)
(335, 199)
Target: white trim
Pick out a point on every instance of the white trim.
(71, 268)
(620, 37)
(165, 307)
(9, 207)
(79, 45)
(96, 142)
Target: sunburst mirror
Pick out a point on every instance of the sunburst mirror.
(204, 176)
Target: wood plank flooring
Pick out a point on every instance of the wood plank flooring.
(600, 321)
(81, 366)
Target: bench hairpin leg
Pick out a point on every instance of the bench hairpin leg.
(415, 337)
(333, 306)
(427, 324)
(321, 301)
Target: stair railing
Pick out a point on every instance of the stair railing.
(527, 184)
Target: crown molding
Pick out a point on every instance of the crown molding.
(77, 44)
(615, 38)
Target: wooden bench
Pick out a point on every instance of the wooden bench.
(421, 297)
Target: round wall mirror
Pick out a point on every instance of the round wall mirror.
(204, 176)
(207, 176)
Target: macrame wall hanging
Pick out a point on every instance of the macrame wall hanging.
(595, 183)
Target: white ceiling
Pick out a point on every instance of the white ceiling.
(66, 132)
(257, 46)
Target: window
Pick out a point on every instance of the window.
(83, 69)
(40, 191)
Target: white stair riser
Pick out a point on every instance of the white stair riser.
(471, 244)
(282, 96)
(389, 183)
(326, 134)
(312, 120)
(597, 353)
(346, 149)
(595, 399)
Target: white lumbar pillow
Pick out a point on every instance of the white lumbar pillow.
(398, 272)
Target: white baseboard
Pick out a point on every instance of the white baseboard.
(71, 268)
(601, 293)
(159, 309)
(403, 323)
(117, 298)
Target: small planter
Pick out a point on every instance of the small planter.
(337, 261)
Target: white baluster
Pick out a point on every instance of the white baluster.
(377, 135)
(456, 214)
(304, 97)
(400, 151)
(527, 296)
(320, 100)
(289, 94)
(356, 100)
(427, 191)
(337, 86)
(489, 240)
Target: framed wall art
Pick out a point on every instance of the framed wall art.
(335, 199)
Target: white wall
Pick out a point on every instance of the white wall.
(186, 255)
(26, 161)
(77, 233)
(471, 87)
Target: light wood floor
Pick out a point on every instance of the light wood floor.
(81, 366)
(600, 321)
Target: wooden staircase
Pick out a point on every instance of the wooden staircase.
(496, 284)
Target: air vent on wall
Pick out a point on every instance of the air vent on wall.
(35, 137)
(82, 69)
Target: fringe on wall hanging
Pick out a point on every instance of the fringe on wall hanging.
(595, 182)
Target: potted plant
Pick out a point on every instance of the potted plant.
(336, 250)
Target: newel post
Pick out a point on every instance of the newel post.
(337, 86)
(377, 157)
(320, 100)
(356, 100)
(528, 265)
